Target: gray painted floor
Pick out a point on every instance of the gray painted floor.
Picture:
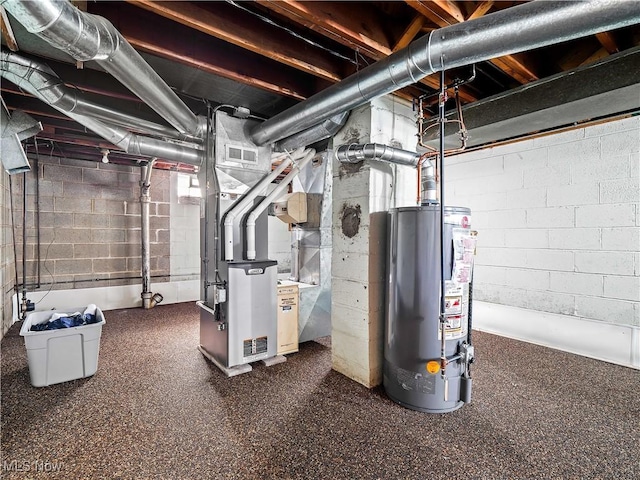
(157, 409)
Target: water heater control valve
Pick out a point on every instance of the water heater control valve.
(220, 295)
(467, 352)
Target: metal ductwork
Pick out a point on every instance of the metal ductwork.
(354, 153)
(314, 134)
(40, 81)
(13, 129)
(89, 37)
(70, 99)
(517, 29)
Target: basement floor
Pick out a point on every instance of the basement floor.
(156, 408)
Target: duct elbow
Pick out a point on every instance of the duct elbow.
(150, 300)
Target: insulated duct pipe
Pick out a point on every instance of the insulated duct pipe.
(275, 193)
(42, 77)
(89, 37)
(40, 81)
(354, 153)
(512, 30)
(249, 197)
(314, 134)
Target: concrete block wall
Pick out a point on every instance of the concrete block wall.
(362, 194)
(7, 271)
(90, 224)
(558, 220)
(184, 225)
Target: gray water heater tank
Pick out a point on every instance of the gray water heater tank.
(412, 329)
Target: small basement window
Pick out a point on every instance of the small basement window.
(188, 189)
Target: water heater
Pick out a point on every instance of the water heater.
(414, 351)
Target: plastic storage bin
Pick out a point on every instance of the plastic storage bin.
(61, 355)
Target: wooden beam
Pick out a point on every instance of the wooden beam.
(339, 21)
(449, 10)
(203, 52)
(595, 56)
(7, 31)
(481, 9)
(514, 68)
(432, 11)
(347, 23)
(231, 25)
(196, 62)
(608, 42)
(410, 32)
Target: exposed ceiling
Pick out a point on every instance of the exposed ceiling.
(269, 55)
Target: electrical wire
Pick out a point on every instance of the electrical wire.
(291, 32)
(44, 264)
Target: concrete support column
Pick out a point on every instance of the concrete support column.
(362, 195)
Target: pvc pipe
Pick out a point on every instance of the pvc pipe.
(251, 219)
(247, 199)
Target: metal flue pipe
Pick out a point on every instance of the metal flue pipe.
(275, 193)
(354, 153)
(90, 37)
(40, 81)
(512, 30)
(248, 198)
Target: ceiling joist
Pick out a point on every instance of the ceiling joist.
(248, 32)
(199, 50)
(344, 23)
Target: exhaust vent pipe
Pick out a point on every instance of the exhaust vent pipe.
(89, 37)
(516, 29)
(355, 153)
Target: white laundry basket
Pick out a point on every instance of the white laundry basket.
(64, 354)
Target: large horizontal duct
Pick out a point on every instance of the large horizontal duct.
(512, 30)
(72, 100)
(89, 37)
(43, 83)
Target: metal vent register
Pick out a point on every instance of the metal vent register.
(255, 346)
(238, 153)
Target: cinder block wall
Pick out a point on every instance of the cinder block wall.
(185, 235)
(558, 220)
(90, 224)
(7, 271)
